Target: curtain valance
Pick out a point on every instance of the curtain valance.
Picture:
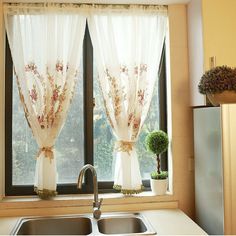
(37, 8)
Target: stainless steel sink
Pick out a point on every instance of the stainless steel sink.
(54, 226)
(108, 224)
(129, 224)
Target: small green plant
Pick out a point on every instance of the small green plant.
(217, 80)
(162, 175)
(157, 143)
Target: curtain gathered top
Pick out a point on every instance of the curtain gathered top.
(31, 8)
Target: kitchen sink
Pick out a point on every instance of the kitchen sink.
(122, 225)
(108, 224)
(54, 226)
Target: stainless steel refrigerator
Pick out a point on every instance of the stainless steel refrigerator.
(209, 195)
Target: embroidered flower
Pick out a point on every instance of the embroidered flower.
(130, 119)
(31, 67)
(143, 68)
(141, 94)
(59, 66)
(41, 121)
(124, 69)
(138, 70)
(115, 94)
(136, 122)
(33, 94)
(55, 93)
(136, 127)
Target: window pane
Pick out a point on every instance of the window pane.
(104, 139)
(147, 160)
(102, 135)
(69, 145)
(24, 146)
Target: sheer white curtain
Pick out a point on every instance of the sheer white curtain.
(127, 45)
(46, 46)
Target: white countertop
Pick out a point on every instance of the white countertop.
(164, 221)
(172, 222)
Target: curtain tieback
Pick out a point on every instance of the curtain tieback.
(47, 151)
(124, 146)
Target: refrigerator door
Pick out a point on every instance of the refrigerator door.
(208, 170)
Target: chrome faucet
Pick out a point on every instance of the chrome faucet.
(96, 202)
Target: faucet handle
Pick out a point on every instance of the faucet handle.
(96, 209)
(98, 203)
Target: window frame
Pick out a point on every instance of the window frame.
(71, 188)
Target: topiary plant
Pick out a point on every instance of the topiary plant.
(217, 80)
(157, 143)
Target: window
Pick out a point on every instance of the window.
(86, 136)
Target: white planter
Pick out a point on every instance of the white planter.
(159, 186)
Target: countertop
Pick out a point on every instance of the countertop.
(164, 221)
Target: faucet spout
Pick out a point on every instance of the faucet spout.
(96, 203)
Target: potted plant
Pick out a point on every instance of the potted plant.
(157, 143)
(219, 84)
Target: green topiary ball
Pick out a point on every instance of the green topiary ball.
(157, 142)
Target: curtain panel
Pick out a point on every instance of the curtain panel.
(127, 45)
(46, 47)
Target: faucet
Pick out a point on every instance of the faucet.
(96, 202)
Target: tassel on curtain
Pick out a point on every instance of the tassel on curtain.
(127, 45)
(46, 46)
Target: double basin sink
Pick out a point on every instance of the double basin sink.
(108, 224)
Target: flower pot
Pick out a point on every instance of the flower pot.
(159, 186)
(228, 96)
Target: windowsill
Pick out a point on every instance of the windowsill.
(82, 203)
(67, 197)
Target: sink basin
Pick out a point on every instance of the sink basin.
(125, 224)
(54, 226)
(122, 225)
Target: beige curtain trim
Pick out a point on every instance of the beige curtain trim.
(128, 191)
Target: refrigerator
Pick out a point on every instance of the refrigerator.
(209, 181)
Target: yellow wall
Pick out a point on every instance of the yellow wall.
(219, 31)
(228, 114)
(182, 124)
(1, 101)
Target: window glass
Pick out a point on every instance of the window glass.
(70, 143)
(24, 146)
(147, 160)
(103, 137)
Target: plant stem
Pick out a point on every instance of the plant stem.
(159, 164)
